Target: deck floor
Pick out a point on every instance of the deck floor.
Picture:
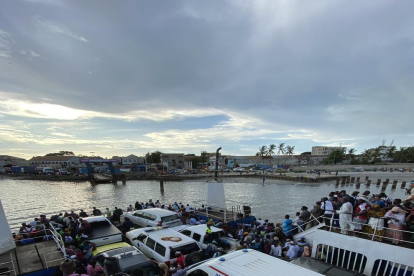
(28, 258)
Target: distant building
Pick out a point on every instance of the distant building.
(55, 161)
(7, 161)
(324, 150)
(173, 160)
(133, 160)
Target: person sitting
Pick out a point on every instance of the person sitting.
(96, 212)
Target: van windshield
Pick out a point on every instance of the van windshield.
(169, 218)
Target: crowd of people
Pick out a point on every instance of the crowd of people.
(388, 219)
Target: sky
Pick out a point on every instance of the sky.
(128, 77)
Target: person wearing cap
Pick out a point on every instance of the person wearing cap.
(396, 222)
(388, 200)
(293, 250)
(301, 244)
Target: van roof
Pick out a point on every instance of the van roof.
(251, 262)
(160, 235)
(158, 211)
(201, 229)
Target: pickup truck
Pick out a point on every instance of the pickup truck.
(122, 257)
(103, 231)
(198, 233)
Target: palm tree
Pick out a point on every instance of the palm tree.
(271, 149)
(262, 151)
(376, 152)
(280, 150)
(289, 150)
(351, 154)
(391, 152)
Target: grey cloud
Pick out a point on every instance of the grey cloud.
(294, 64)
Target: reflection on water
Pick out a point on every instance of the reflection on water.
(24, 199)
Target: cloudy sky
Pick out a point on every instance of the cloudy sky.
(121, 77)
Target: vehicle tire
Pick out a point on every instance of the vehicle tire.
(193, 258)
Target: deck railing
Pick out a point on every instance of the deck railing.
(374, 236)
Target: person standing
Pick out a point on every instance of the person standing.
(396, 223)
(345, 216)
(303, 218)
(287, 226)
(361, 214)
(328, 210)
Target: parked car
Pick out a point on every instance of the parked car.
(153, 217)
(103, 231)
(122, 257)
(198, 233)
(162, 243)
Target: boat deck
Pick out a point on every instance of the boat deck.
(29, 259)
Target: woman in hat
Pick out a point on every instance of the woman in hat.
(375, 221)
(396, 223)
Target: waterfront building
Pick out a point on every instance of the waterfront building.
(130, 160)
(172, 160)
(55, 161)
(7, 161)
(325, 150)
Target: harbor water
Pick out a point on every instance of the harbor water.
(24, 200)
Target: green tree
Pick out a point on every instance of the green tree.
(262, 151)
(336, 156)
(153, 157)
(204, 157)
(351, 154)
(61, 153)
(271, 149)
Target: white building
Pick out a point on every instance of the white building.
(55, 161)
(325, 150)
(173, 160)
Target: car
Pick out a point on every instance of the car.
(161, 244)
(198, 233)
(153, 217)
(122, 257)
(104, 232)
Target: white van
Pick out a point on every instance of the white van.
(162, 243)
(153, 217)
(247, 262)
(48, 170)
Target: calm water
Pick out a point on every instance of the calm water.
(23, 199)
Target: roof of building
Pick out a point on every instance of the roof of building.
(51, 158)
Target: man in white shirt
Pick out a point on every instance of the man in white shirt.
(328, 207)
(345, 216)
(276, 250)
(187, 208)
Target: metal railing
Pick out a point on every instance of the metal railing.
(374, 236)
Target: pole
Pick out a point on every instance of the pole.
(217, 160)
(162, 186)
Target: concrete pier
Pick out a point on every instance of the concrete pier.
(358, 185)
(403, 184)
(378, 181)
(358, 179)
(368, 182)
(343, 181)
(353, 179)
(394, 184)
